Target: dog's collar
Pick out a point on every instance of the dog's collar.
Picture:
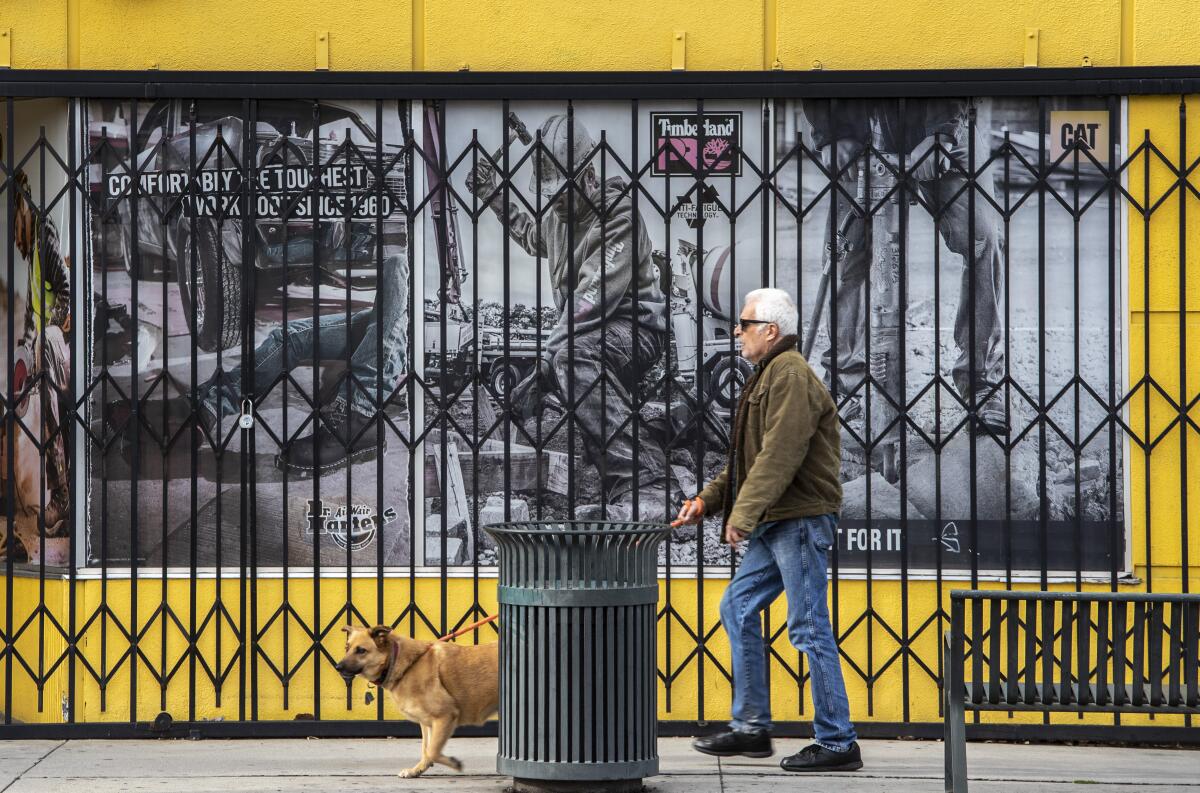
(392, 662)
(388, 670)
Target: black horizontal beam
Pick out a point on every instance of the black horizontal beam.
(1081, 81)
(1021, 707)
(1047, 733)
(1092, 597)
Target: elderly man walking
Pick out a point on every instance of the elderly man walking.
(785, 461)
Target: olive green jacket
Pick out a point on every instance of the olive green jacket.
(786, 448)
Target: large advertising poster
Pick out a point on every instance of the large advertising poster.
(598, 310)
(578, 269)
(942, 315)
(281, 304)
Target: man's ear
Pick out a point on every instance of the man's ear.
(590, 178)
(380, 634)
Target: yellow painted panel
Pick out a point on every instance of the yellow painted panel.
(1165, 32)
(1161, 117)
(219, 647)
(944, 34)
(544, 35)
(39, 33)
(1155, 337)
(29, 702)
(513, 35)
(227, 34)
(1162, 465)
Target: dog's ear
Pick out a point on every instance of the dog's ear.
(347, 629)
(380, 634)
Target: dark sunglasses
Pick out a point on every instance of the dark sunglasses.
(746, 323)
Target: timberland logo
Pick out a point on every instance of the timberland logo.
(352, 528)
(690, 143)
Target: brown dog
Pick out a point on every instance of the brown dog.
(439, 685)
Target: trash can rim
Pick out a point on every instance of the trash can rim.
(574, 526)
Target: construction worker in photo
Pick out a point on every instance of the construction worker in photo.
(599, 258)
(41, 371)
(340, 430)
(934, 136)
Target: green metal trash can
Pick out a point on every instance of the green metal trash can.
(578, 684)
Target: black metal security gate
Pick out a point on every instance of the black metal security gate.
(272, 361)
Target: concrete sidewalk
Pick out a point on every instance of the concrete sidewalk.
(367, 766)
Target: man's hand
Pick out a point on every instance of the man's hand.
(525, 400)
(482, 180)
(733, 535)
(846, 150)
(933, 165)
(691, 513)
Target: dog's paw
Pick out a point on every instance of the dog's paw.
(410, 773)
(454, 763)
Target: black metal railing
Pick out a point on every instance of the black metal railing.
(1099, 650)
(270, 340)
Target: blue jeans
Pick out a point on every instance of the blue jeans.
(787, 556)
(354, 339)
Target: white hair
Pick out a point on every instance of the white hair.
(777, 306)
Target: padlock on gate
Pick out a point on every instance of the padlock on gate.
(246, 418)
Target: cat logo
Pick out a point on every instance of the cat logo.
(1082, 130)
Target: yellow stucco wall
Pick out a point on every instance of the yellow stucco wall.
(623, 35)
(616, 34)
(1159, 312)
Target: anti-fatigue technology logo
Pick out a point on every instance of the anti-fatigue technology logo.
(350, 529)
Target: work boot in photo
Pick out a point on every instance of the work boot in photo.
(733, 743)
(54, 516)
(160, 418)
(992, 416)
(342, 436)
(817, 758)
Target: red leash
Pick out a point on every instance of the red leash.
(469, 628)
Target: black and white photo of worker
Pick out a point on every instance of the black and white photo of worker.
(935, 137)
(612, 313)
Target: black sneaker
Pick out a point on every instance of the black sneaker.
(341, 437)
(817, 758)
(732, 743)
